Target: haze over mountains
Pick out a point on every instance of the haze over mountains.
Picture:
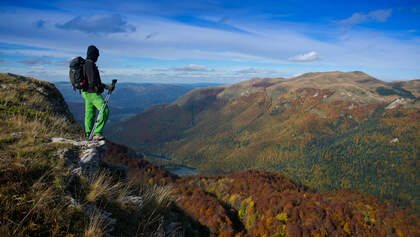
(325, 130)
(129, 99)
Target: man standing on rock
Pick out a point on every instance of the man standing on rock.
(92, 94)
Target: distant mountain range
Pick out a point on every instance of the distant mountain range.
(128, 99)
(325, 130)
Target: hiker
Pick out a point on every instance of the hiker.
(91, 93)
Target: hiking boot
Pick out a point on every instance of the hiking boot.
(98, 137)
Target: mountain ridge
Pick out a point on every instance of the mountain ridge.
(319, 80)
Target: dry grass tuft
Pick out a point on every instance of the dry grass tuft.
(103, 186)
(157, 200)
(160, 196)
(97, 225)
(126, 190)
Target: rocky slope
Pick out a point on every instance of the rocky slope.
(325, 130)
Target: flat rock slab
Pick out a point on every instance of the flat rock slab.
(90, 154)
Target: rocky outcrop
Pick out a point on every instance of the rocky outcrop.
(395, 103)
(86, 156)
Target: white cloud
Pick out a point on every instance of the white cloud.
(192, 68)
(297, 74)
(381, 15)
(39, 53)
(255, 71)
(185, 69)
(307, 57)
(36, 61)
(104, 24)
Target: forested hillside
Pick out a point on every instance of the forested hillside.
(258, 203)
(325, 130)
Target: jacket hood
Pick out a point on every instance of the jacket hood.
(92, 53)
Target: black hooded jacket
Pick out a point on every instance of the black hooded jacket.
(91, 71)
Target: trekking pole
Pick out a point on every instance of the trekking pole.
(102, 109)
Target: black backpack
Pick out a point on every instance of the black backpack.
(77, 75)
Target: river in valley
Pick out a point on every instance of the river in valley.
(180, 171)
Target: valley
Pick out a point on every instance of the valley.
(327, 130)
(169, 165)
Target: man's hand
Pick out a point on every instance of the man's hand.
(109, 87)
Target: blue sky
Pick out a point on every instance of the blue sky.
(190, 41)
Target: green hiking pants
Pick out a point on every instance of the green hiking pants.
(94, 102)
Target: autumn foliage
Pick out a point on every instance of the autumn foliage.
(260, 203)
